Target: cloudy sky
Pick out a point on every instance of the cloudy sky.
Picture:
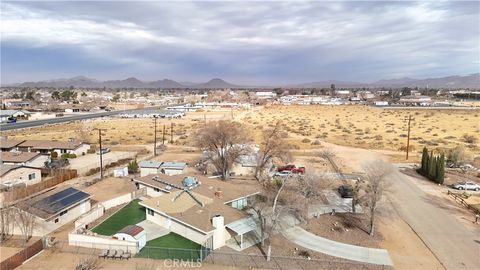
(242, 42)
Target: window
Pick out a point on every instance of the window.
(150, 212)
(56, 220)
(156, 189)
(31, 176)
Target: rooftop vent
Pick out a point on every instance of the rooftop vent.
(190, 181)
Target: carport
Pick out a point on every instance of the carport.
(244, 226)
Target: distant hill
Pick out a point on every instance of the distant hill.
(469, 81)
(215, 83)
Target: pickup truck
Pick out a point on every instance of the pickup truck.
(291, 168)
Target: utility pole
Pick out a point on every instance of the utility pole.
(171, 133)
(155, 139)
(205, 119)
(408, 135)
(163, 135)
(231, 111)
(101, 151)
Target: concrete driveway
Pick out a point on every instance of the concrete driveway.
(314, 242)
(455, 246)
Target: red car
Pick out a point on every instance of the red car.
(291, 168)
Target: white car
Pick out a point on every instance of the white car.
(282, 174)
(466, 186)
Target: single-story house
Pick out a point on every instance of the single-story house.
(132, 233)
(266, 95)
(380, 103)
(206, 211)
(18, 114)
(120, 171)
(11, 175)
(54, 208)
(173, 168)
(416, 100)
(10, 145)
(149, 167)
(31, 159)
(61, 147)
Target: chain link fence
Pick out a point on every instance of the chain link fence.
(230, 258)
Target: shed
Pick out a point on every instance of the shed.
(149, 167)
(133, 233)
(120, 172)
(173, 168)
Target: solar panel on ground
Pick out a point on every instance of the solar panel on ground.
(52, 206)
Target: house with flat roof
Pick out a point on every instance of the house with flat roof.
(54, 208)
(14, 175)
(31, 159)
(206, 211)
(48, 146)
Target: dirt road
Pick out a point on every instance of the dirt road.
(455, 246)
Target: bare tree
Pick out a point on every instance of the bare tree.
(269, 206)
(309, 187)
(273, 147)
(26, 223)
(376, 175)
(89, 263)
(224, 143)
(7, 218)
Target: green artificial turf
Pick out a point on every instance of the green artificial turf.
(130, 214)
(171, 246)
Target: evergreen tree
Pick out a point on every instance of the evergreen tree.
(423, 168)
(441, 169)
(431, 166)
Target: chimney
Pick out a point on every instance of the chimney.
(218, 193)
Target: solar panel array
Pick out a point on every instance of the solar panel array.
(60, 200)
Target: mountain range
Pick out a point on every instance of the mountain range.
(468, 81)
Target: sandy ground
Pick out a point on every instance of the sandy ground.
(369, 127)
(91, 161)
(110, 188)
(6, 252)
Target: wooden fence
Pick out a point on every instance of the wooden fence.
(458, 198)
(23, 255)
(57, 176)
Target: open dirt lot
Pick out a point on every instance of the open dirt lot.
(369, 127)
(110, 188)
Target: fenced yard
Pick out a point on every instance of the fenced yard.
(130, 214)
(243, 261)
(57, 176)
(172, 246)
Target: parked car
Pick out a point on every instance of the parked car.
(11, 120)
(291, 168)
(346, 191)
(282, 174)
(103, 151)
(466, 186)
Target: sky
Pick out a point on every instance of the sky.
(243, 42)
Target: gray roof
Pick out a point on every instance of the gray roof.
(149, 164)
(153, 111)
(174, 165)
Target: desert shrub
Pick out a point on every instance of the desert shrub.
(68, 155)
(317, 142)
(54, 155)
(469, 138)
(133, 166)
(306, 140)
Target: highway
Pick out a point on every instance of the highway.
(57, 120)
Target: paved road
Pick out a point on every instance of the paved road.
(34, 123)
(314, 242)
(455, 246)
